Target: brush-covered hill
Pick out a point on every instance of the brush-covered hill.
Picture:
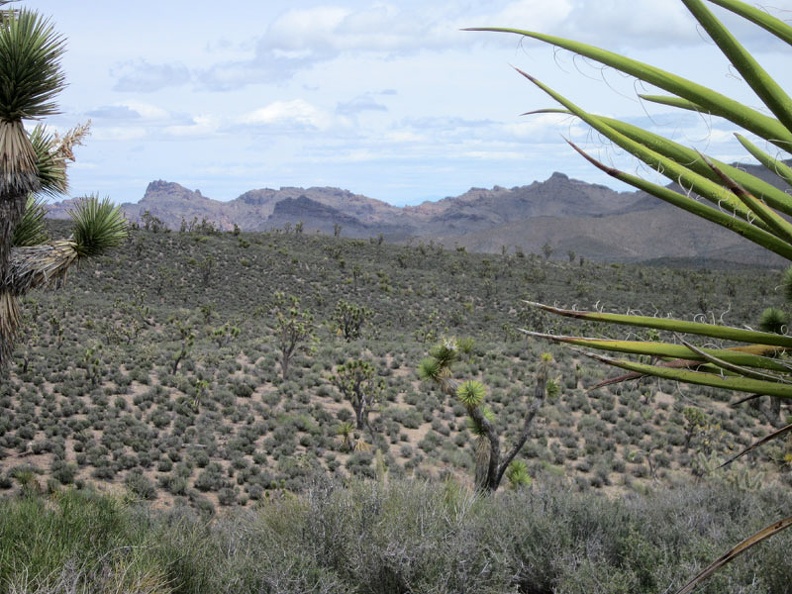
(156, 370)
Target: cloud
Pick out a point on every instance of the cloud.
(113, 112)
(359, 104)
(202, 125)
(296, 112)
(533, 14)
(301, 39)
(129, 110)
(146, 111)
(139, 76)
(118, 133)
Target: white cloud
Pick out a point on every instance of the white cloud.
(299, 30)
(201, 125)
(117, 133)
(297, 111)
(175, 101)
(146, 111)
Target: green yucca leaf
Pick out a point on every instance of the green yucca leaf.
(473, 425)
(747, 118)
(778, 225)
(673, 170)
(692, 159)
(765, 87)
(749, 230)
(446, 353)
(758, 16)
(50, 163)
(739, 202)
(674, 325)
(672, 101)
(31, 230)
(30, 54)
(429, 369)
(773, 319)
(471, 393)
(713, 380)
(98, 226)
(771, 163)
(667, 350)
(518, 475)
(465, 345)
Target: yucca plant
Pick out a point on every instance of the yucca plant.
(33, 163)
(749, 361)
(98, 225)
(30, 78)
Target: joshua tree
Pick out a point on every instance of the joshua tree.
(349, 319)
(30, 77)
(34, 163)
(358, 381)
(491, 463)
(294, 328)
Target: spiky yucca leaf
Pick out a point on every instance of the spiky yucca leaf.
(31, 75)
(475, 427)
(38, 266)
(9, 324)
(762, 358)
(30, 68)
(430, 369)
(98, 226)
(31, 229)
(471, 393)
(50, 162)
(773, 320)
(446, 353)
(17, 160)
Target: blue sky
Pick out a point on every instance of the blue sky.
(386, 99)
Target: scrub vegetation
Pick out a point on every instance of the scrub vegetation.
(199, 411)
(95, 408)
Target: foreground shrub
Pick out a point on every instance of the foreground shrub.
(367, 537)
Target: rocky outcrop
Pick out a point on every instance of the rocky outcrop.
(570, 215)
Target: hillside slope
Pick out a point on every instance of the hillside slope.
(157, 369)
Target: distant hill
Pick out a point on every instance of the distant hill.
(572, 217)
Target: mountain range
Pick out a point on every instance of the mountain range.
(561, 216)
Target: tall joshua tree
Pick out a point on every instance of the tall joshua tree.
(33, 162)
(30, 78)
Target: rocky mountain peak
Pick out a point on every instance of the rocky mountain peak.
(570, 215)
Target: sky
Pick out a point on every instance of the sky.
(387, 99)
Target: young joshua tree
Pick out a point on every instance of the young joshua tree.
(358, 381)
(294, 328)
(491, 463)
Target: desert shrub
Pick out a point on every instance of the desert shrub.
(140, 485)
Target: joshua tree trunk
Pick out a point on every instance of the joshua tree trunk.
(12, 207)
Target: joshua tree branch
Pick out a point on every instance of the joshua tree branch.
(540, 392)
